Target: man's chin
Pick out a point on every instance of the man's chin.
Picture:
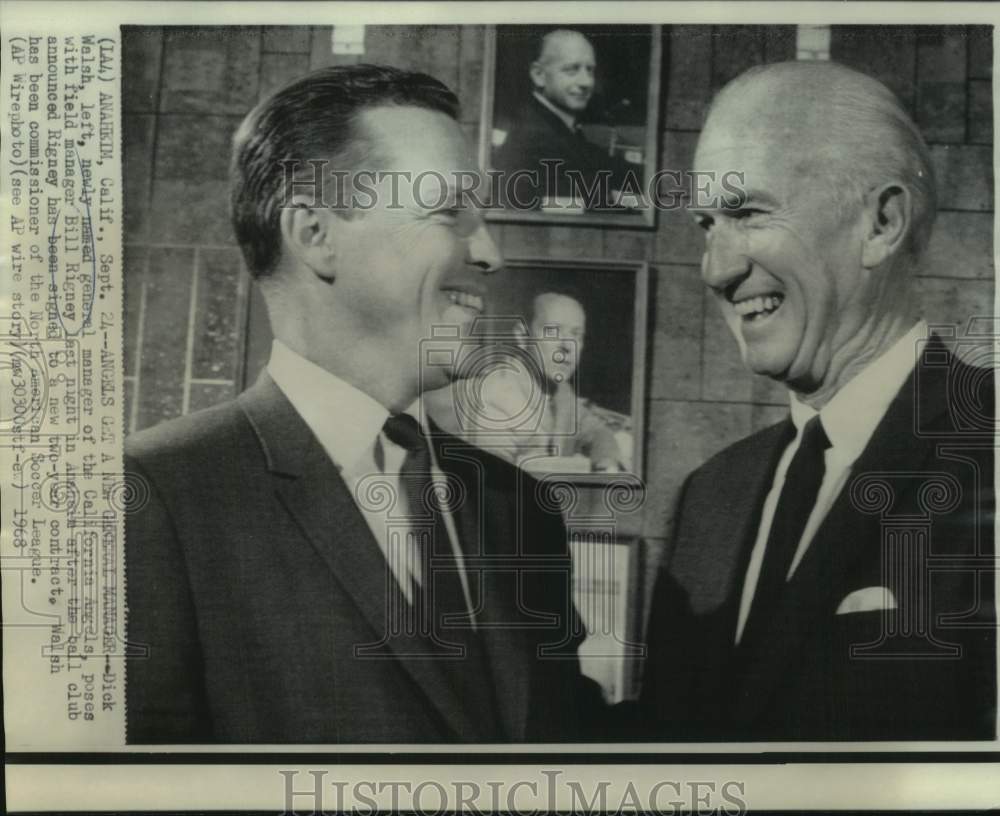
(571, 105)
(767, 365)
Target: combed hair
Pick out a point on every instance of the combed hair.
(313, 118)
(868, 137)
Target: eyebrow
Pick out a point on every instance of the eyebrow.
(751, 196)
(749, 199)
(448, 197)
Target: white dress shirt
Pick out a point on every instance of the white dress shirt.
(348, 425)
(849, 419)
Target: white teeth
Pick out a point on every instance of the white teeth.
(469, 301)
(762, 304)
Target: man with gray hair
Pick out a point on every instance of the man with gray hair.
(831, 577)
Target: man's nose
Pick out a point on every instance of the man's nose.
(725, 260)
(483, 252)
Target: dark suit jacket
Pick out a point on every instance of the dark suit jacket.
(928, 470)
(252, 576)
(537, 134)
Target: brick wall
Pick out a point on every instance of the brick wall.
(187, 301)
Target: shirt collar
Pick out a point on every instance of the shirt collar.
(344, 419)
(850, 418)
(567, 120)
(392, 454)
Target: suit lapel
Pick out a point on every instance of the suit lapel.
(713, 562)
(716, 530)
(845, 540)
(569, 138)
(758, 477)
(506, 646)
(314, 494)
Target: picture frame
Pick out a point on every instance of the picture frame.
(598, 171)
(554, 403)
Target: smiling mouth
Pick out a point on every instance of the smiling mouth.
(758, 307)
(466, 300)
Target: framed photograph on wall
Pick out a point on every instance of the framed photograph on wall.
(552, 375)
(569, 122)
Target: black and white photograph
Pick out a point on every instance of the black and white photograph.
(569, 122)
(676, 449)
(556, 368)
(784, 326)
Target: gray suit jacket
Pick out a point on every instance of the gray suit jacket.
(252, 577)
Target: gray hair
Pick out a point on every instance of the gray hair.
(867, 137)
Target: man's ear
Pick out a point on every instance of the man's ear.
(889, 218)
(308, 234)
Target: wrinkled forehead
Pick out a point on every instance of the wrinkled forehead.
(768, 144)
(745, 120)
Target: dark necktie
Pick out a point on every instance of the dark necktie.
(442, 611)
(795, 504)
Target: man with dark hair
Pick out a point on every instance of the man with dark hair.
(316, 563)
(832, 576)
(546, 159)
